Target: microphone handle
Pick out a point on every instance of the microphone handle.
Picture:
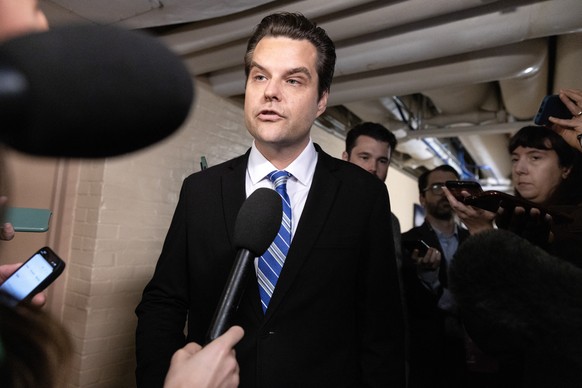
(231, 294)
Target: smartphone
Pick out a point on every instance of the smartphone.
(411, 245)
(36, 274)
(551, 106)
(26, 219)
(456, 187)
(491, 200)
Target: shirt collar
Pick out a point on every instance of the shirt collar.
(302, 168)
(441, 234)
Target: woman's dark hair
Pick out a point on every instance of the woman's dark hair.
(35, 350)
(298, 27)
(568, 192)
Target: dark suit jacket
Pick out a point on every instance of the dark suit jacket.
(335, 318)
(435, 360)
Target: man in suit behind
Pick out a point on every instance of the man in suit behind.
(335, 317)
(437, 344)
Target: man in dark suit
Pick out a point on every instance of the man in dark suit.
(370, 146)
(334, 318)
(437, 343)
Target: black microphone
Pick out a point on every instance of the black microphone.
(257, 224)
(516, 300)
(90, 91)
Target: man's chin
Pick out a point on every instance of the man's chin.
(444, 214)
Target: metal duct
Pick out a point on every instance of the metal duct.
(569, 55)
(483, 66)
(232, 34)
(503, 25)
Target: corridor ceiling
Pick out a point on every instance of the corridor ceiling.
(452, 78)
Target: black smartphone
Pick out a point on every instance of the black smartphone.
(456, 187)
(491, 201)
(552, 106)
(31, 277)
(411, 245)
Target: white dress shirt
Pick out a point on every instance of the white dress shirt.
(298, 185)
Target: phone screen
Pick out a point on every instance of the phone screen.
(27, 278)
(35, 274)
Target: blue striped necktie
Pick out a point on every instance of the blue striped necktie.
(271, 262)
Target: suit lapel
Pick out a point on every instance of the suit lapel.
(233, 192)
(315, 214)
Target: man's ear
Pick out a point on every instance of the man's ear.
(322, 103)
(345, 156)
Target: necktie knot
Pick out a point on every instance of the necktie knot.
(279, 179)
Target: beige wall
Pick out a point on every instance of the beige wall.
(110, 221)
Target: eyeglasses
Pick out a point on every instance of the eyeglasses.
(435, 188)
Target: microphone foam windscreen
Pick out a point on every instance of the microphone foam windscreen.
(258, 221)
(94, 91)
(512, 294)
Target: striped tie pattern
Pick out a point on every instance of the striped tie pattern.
(271, 262)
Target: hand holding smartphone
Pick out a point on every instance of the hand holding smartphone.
(32, 277)
(552, 106)
(492, 200)
(411, 245)
(457, 187)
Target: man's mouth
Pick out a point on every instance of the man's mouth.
(269, 115)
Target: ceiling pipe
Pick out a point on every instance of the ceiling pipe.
(461, 130)
(412, 46)
(498, 24)
(522, 95)
(483, 66)
(201, 36)
(233, 34)
(569, 53)
(490, 153)
(461, 99)
(474, 117)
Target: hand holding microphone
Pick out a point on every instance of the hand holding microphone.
(214, 365)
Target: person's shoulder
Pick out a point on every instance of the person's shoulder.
(217, 171)
(347, 171)
(411, 233)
